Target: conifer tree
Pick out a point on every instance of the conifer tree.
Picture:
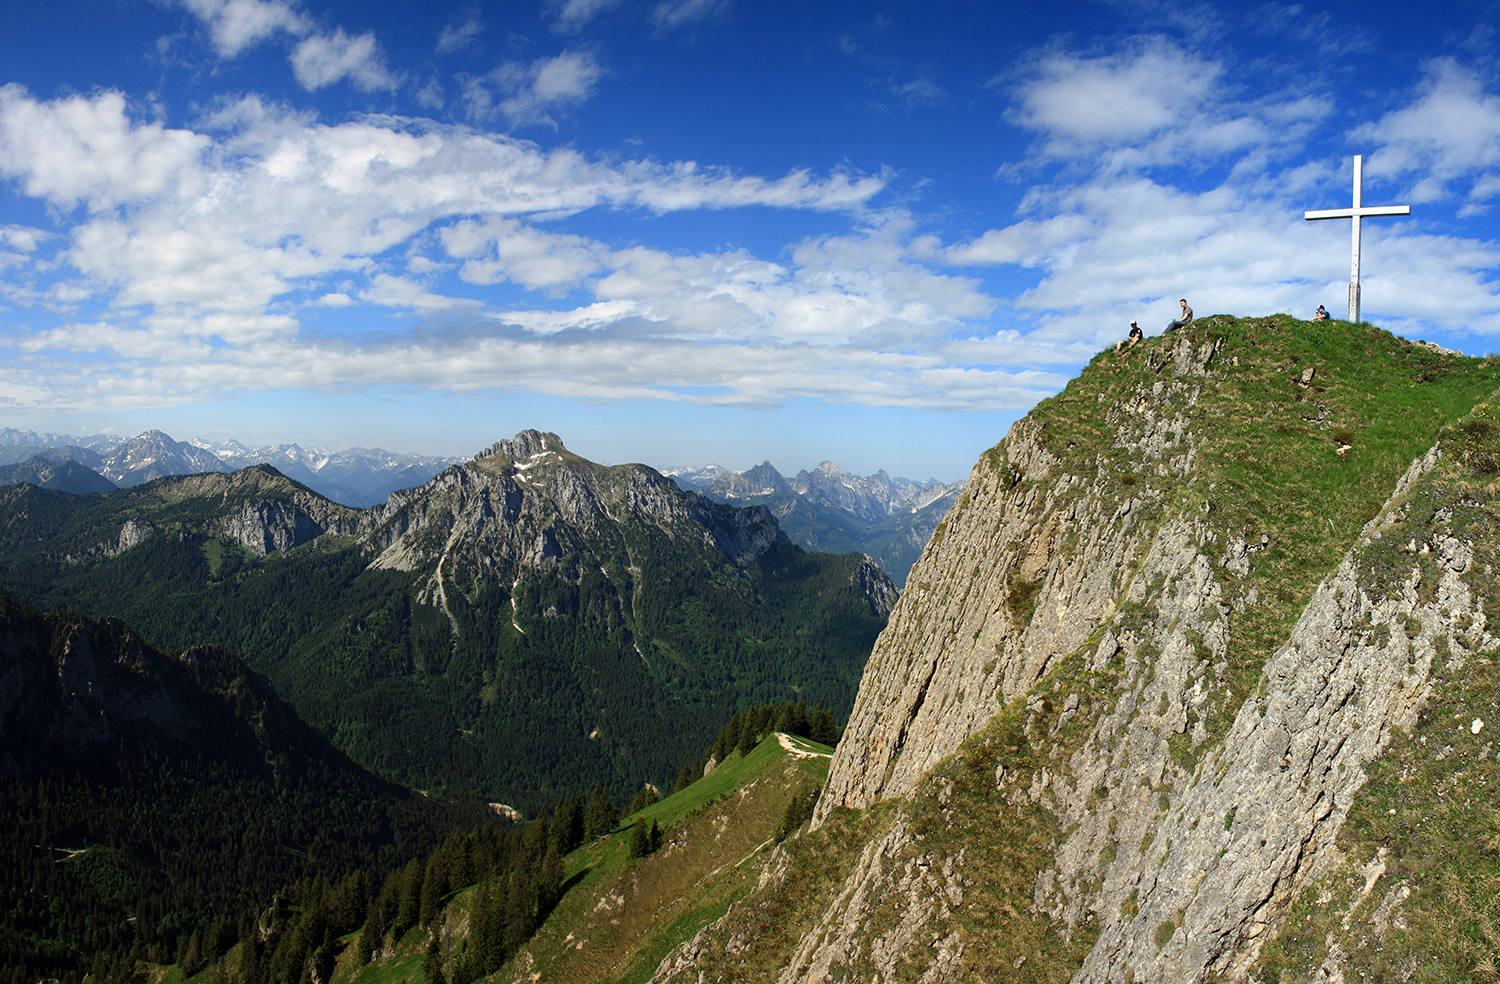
(640, 840)
(821, 727)
(434, 887)
(409, 899)
(643, 799)
(566, 830)
(549, 881)
(520, 911)
(432, 962)
(600, 817)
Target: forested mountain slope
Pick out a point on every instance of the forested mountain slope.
(1195, 682)
(521, 626)
(142, 793)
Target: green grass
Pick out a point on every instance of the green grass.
(1430, 803)
(716, 831)
(1267, 450)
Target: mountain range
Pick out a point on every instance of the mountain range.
(890, 519)
(357, 477)
(1197, 681)
(523, 624)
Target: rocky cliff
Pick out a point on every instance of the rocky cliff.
(1136, 684)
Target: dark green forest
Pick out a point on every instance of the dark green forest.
(120, 836)
(537, 686)
(220, 819)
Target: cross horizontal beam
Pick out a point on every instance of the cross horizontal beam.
(1358, 212)
(1349, 213)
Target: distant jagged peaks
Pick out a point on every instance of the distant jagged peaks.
(831, 509)
(61, 476)
(359, 477)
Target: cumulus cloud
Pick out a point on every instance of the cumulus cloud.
(1449, 135)
(196, 251)
(85, 149)
(234, 25)
(529, 93)
(23, 239)
(1153, 103)
(323, 59)
(497, 249)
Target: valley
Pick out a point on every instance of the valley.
(1195, 681)
(524, 624)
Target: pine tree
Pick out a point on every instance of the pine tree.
(549, 881)
(821, 727)
(409, 898)
(640, 840)
(434, 887)
(566, 830)
(520, 911)
(600, 817)
(432, 962)
(643, 799)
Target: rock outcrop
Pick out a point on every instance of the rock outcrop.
(1168, 651)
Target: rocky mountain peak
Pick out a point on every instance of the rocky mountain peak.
(527, 444)
(1147, 664)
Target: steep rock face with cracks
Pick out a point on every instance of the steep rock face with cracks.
(1131, 697)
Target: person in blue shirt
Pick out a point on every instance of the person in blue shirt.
(1135, 338)
(1322, 314)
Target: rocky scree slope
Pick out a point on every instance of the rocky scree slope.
(1138, 678)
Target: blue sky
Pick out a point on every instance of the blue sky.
(683, 231)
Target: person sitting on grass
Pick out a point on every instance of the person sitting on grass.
(1135, 338)
(1187, 316)
(1322, 314)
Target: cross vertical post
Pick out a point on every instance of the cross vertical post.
(1356, 213)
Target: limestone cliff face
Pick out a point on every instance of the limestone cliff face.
(524, 505)
(1028, 564)
(1112, 617)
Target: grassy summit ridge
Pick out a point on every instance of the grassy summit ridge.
(1294, 469)
(1273, 442)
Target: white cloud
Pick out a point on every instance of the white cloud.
(195, 246)
(530, 93)
(324, 59)
(459, 35)
(234, 25)
(22, 238)
(671, 15)
(571, 15)
(1115, 99)
(497, 249)
(1449, 135)
(1154, 103)
(86, 149)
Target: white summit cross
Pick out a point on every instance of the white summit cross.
(1356, 213)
